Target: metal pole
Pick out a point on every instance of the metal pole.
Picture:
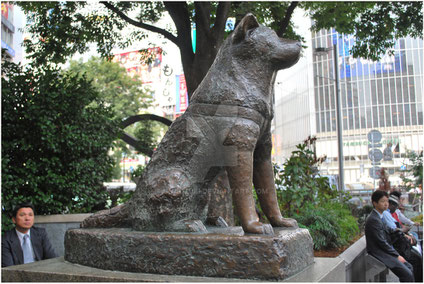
(339, 119)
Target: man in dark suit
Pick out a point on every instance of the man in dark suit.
(377, 235)
(25, 243)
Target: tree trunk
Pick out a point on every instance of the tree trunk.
(208, 39)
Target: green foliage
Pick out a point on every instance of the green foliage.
(136, 174)
(375, 25)
(125, 197)
(331, 225)
(60, 29)
(413, 175)
(56, 134)
(268, 13)
(306, 196)
(149, 133)
(322, 225)
(123, 93)
(361, 214)
(299, 184)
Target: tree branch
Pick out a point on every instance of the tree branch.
(142, 25)
(285, 22)
(203, 16)
(221, 17)
(180, 15)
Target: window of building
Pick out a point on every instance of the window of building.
(380, 91)
(322, 119)
(407, 111)
(350, 112)
(356, 118)
(386, 91)
(395, 116)
(392, 90)
(374, 92)
(411, 85)
(318, 122)
(344, 116)
(328, 121)
(414, 114)
(399, 90)
(381, 121)
(333, 121)
(387, 115)
(405, 89)
(375, 116)
(369, 117)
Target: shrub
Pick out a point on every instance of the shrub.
(299, 184)
(136, 174)
(308, 197)
(330, 226)
(56, 134)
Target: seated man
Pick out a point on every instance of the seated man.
(25, 243)
(403, 243)
(404, 221)
(378, 240)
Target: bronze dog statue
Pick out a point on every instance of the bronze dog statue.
(225, 128)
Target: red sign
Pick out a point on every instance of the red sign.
(5, 9)
(182, 94)
(142, 63)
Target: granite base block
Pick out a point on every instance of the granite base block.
(209, 255)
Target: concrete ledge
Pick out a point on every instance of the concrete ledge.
(59, 270)
(324, 269)
(61, 218)
(354, 258)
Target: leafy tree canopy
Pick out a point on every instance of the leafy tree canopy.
(126, 96)
(123, 93)
(60, 29)
(56, 134)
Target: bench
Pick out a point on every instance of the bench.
(375, 270)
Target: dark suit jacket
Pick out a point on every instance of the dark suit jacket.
(377, 235)
(11, 251)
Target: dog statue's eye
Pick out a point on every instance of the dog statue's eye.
(249, 32)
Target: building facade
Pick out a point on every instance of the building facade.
(383, 97)
(12, 20)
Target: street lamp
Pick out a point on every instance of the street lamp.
(318, 51)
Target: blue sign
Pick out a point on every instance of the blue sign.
(9, 49)
(229, 25)
(359, 67)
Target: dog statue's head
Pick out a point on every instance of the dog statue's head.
(254, 41)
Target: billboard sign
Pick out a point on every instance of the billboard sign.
(182, 94)
(358, 67)
(144, 63)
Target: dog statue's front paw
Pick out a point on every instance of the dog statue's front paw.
(284, 222)
(258, 228)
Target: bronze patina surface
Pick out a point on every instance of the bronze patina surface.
(222, 141)
(222, 253)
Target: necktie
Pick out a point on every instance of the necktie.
(27, 250)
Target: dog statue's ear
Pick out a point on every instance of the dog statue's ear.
(248, 22)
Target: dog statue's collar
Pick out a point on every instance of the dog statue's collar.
(224, 110)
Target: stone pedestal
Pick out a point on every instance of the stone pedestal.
(227, 253)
